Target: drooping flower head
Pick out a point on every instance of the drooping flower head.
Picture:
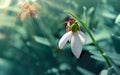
(74, 35)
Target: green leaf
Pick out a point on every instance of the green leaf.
(114, 56)
(116, 42)
(42, 40)
(84, 71)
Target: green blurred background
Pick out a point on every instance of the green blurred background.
(29, 47)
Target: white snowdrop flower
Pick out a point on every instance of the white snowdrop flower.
(76, 37)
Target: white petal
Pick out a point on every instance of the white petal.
(82, 37)
(64, 39)
(76, 45)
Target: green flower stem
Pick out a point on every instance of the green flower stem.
(88, 31)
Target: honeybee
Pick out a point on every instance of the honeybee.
(68, 22)
(27, 9)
